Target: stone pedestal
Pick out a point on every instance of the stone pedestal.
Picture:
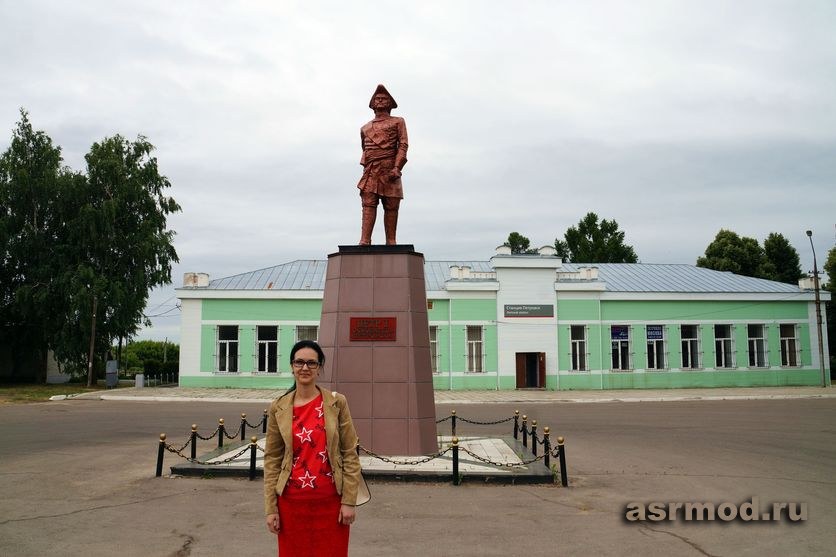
(375, 335)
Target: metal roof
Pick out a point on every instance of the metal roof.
(619, 277)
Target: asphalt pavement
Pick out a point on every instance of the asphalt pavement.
(264, 396)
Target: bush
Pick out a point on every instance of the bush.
(152, 368)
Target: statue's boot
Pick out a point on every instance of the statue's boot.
(369, 216)
(390, 223)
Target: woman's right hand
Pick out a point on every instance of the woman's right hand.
(273, 523)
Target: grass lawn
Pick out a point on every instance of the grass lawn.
(16, 393)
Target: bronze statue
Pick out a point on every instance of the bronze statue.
(384, 144)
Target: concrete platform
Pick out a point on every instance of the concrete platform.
(508, 452)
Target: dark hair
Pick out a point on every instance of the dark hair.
(313, 345)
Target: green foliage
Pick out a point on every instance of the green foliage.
(594, 242)
(70, 238)
(777, 260)
(519, 244)
(730, 252)
(782, 258)
(136, 353)
(830, 286)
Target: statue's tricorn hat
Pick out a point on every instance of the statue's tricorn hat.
(382, 89)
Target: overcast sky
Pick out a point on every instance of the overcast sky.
(675, 118)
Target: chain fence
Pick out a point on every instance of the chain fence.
(521, 432)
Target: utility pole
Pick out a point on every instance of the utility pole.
(818, 310)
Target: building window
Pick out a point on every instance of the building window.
(757, 345)
(656, 354)
(306, 332)
(474, 349)
(578, 338)
(620, 337)
(789, 346)
(723, 346)
(434, 348)
(690, 335)
(268, 345)
(228, 348)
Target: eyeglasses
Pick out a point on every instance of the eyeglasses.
(299, 364)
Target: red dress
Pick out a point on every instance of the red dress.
(309, 506)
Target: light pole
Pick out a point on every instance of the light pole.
(818, 310)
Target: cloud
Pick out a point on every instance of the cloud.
(674, 119)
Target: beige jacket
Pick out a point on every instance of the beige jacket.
(340, 441)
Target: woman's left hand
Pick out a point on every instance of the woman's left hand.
(347, 515)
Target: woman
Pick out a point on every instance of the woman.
(311, 467)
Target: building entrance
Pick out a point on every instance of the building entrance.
(531, 370)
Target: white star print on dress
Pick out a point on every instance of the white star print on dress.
(305, 435)
(323, 455)
(307, 480)
(319, 411)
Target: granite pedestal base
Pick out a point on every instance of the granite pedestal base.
(375, 335)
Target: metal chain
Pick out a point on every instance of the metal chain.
(199, 436)
(171, 449)
(188, 442)
(502, 464)
(487, 423)
(233, 435)
(443, 419)
(254, 426)
(405, 462)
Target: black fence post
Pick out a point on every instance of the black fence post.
(534, 437)
(547, 447)
(456, 479)
(253, 441)
(525, 430)
(160, 454)
(516, 424)
(221, 433)
(194, 441)
(243, 425)
(264, 422)
(453, 422)
(564, 479)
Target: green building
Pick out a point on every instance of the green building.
(527, 321)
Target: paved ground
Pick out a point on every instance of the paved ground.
(161, 394)
(77, 479)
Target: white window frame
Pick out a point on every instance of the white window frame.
(757, 347)
(578, 355)
(659, 347)
(474, 350)
(790, 347)
(267, 346)
(301, 337)
(434, 355)
(725, 356)
(621, 347)
(692, 350)
(223, 349)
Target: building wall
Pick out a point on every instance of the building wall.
(597, 312)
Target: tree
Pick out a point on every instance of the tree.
(736, 254)
(594, 242)
(782, 259)
(136, 353)
(519, 244)
(830, 272)
(33, 216)
(80, 252)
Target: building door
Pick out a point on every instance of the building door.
(531, 370)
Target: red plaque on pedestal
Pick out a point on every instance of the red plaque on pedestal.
(373, 329)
